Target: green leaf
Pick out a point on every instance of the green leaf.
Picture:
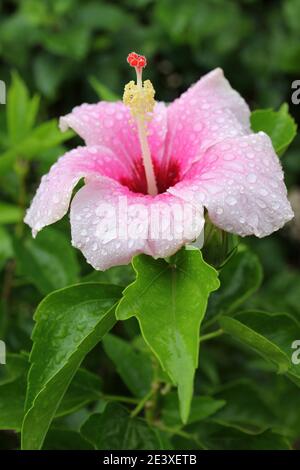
(43, 137)
(84, 389)
(169, 301)
(114, 429)
(12, 404)
(65, 439)
(6, 249)
(240, 277)
(279, 125)
(134, 367)
(48, 261)
(244, 410)
(103, 92)
(69, 323)
(9, 213)
(271, 335)
(201, 408)
(12, 391)
(21, 110)
(218, 437)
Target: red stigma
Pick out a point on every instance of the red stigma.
(136, 60)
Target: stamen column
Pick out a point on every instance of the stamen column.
(140, 99)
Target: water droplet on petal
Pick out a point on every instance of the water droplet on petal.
(263, 192)
(261, 204)
(251, 177)
(231, 200)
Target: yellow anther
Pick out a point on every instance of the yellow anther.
(140, 99)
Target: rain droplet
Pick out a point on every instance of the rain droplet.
(261, 203)
(251, 178)
(263, 192)
(231, 200)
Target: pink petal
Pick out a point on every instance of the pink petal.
(207, 113)
(240, 182)
(111, 124)
(52, 199)
(110, 224)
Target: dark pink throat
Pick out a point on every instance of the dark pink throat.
(165, 178)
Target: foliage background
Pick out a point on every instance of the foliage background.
(71, 51)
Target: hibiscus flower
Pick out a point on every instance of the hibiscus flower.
(142, 157)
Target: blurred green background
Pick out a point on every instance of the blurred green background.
(56, 54)
(66, 50)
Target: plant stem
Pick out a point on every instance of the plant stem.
(213, 334)
(178, 432)
(133, 401)
(142, 403)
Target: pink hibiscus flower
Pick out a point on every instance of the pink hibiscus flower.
(198, 152)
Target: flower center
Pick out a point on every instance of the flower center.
(139, 97)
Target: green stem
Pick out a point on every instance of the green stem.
(130, 400)
(142, 403)
(213, 334)
(178, 432)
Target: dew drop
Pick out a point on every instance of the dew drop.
(261, 204)
(251, 177)
(263, 192)
(231, 200)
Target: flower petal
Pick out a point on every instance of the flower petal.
(240, 182)
(111, 124)
(110, 224)
(53, 196)
(207, 113)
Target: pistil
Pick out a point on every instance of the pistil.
(139, 97)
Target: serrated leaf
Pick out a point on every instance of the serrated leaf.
(169, 301)
(271, 335)
(114, 429)
(279, 125)
(69, 323)
(134, 367)
(48, 261)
